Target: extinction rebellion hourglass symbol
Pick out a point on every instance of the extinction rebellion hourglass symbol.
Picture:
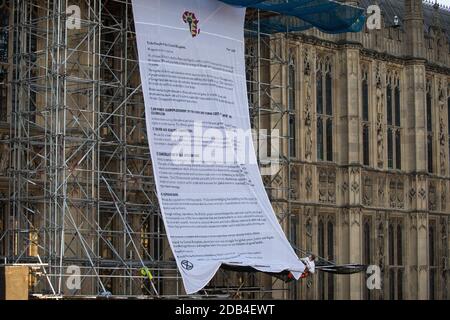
(190, 18)
(187, 265)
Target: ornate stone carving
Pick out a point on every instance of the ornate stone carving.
(396, 194)
(308, 105)
(441, 42)
(421, 185)
(344, 187)
(420, 84)
(381, 186)
(327, 185)
(332, 186)
(442, 131)
(309, 232)
(355, 217)
(393, 194)
(353, 63)
(380, 111)
(412, 194)
(422, 193)
(422, 221)
(444, 244)
(355, 187)
(308, 181)
(423, 268)
(267, 180)
(344, 183)
(411, 203)
(323, 181)
(354, 178)
(278, 180)
(443, 223)
(380, 241)
(412, 221)
(345, 217)
(294, 183)
(367, 191)
(432, 197)
(400, 195)
(308, 214)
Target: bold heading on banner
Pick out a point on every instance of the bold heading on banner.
(209, 187)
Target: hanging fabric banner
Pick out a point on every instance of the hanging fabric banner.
(212, 199)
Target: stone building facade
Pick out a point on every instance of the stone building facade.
(372, 165)
(369, 141)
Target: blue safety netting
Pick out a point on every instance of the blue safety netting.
(297, 15)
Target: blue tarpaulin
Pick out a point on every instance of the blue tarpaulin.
(298, 15)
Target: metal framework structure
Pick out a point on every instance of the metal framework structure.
(81, 186)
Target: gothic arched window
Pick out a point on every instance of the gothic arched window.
(389, 103)
(330, 248)
(367, 248)
(391, 245)
(399, 246)
(397, 106)
(392, 284)
(390, 136)
(398, 150)
(324, 109)
(365, 118)
(321, 239)
(294, 230)
(319, 91)
(365, 97)
(326, 243)
(321, 246)
(432, 259)
(330, 240)
(329, 93)
(291, 83)
(400, 284)
(367, 256)
(395, 267)
(320, 149)
(429, 127)
(329, 136)
(393, 111)
(366, 145)
(431, 245)
(292, 106)
(309, 235)
(294, 225)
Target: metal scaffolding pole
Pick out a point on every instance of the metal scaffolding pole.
(81, 185)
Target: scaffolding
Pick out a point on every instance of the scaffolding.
(81, 191)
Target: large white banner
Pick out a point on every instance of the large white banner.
(210, 190)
